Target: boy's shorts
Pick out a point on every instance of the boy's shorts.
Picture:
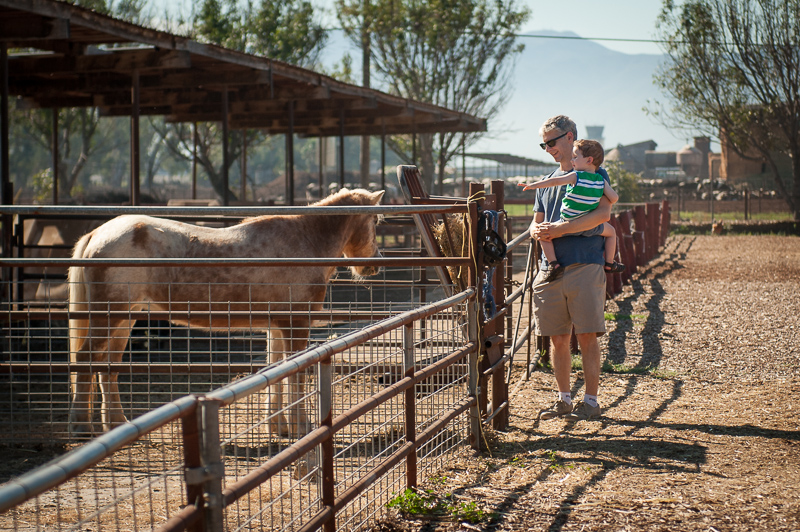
(576, 298)
(596, 231)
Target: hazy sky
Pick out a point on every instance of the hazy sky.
(614, 19)
(631, 20)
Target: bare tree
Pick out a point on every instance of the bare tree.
(454, 53)
(732, 72)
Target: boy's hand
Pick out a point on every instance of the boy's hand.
(526, 185)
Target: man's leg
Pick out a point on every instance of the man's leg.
(590, 353)
(562, 361)
(562, 366)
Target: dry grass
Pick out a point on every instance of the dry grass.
(700, 430)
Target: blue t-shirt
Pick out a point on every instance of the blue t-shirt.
(570, 249)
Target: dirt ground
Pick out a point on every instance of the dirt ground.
(701, 422)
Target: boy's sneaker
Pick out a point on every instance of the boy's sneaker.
(560, 408)
(553, 272)
(582, 411)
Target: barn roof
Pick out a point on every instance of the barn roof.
(81, 58)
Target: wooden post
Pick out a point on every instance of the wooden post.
(473, 326)
(135, 200)
(225, 163)
(409, 363)
(499, 388)
(54, 148)
(327, 471)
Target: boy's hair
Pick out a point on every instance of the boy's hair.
(560, 122)
(593, 149)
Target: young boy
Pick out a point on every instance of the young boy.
(585, 187)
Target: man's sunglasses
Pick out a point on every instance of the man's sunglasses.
(552, 142)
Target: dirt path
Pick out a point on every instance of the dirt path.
(701, 425)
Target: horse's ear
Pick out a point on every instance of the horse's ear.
(375, 197)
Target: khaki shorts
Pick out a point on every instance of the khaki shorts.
(576, 298)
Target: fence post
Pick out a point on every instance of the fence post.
(640, 224)
(665, 218)
(204, 468)
(482, 388)
(325, 388)
(499, 388)
(626, 245)
(409, 362)
(653, 226)
(473, 387)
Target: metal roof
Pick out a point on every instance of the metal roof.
(85, 59)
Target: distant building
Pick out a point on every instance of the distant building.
(690, 162)
(596, 133)
(736, 169)
(632, 155)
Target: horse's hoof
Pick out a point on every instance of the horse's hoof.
(108, 427)
(304, 467)
(81, 431)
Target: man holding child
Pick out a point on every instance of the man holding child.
(574, 296)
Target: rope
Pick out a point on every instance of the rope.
(489, 305)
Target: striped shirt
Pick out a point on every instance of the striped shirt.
(583, 196)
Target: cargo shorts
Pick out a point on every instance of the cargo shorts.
(576, 298)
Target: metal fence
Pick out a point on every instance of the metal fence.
(389, 383)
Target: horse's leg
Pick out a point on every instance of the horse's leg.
(111, 412)
(295, 340)
(80, 419)
(278, 423)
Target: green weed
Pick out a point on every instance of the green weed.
(623, 369)
(612, 316)
(415, 502)
(426, 502)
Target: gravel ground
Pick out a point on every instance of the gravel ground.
(700, 429)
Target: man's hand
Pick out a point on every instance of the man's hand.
(546, 231)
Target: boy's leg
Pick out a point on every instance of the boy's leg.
(611, 242)
(549, 251)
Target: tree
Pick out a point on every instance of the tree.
(732, 72)
(285, 30)
(454, 53)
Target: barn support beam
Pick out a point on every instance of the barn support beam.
(341, 148)
(135, 200)
(290, 156)
(225, 164)
(54, 148)
(6, 186)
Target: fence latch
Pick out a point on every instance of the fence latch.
(198, 475)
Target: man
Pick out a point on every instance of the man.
(577, 297)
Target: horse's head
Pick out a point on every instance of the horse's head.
(363, 241)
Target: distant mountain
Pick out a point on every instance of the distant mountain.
(592, 84)
(595, 86)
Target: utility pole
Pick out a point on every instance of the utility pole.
(365, 60)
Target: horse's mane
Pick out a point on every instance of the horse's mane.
(344, 197)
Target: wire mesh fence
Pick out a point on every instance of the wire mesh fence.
(335, 430)
(141, 486)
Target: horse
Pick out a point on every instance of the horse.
(254, 291)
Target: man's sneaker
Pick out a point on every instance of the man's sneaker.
(583, 411)
(560, 408)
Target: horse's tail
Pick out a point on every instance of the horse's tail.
(78, 299)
